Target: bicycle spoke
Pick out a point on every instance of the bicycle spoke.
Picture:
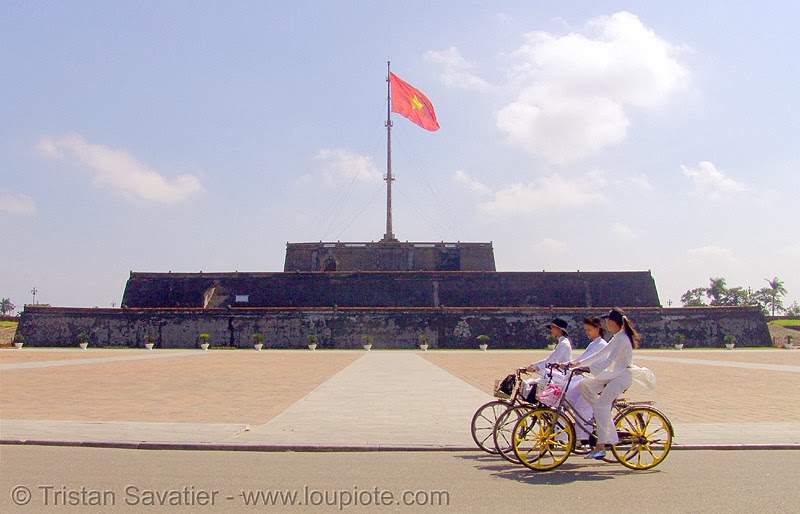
(486, 438)
(650, 438)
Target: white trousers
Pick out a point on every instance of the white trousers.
(582, 407)
(608, 391)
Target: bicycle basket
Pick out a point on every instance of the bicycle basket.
(549, 394)
(504, 388)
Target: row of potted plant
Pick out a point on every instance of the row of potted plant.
(680, 341)
(311, 339)
(258, 341)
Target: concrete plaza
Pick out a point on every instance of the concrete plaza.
(339, 399)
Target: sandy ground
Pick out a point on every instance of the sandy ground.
(7, 334)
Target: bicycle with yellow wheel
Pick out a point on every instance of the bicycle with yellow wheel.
(509, 397)
(544, 438)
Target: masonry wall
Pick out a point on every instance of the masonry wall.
(389, 256)
(391, 327)
(415, 289)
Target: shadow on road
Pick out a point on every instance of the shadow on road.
(575, 470)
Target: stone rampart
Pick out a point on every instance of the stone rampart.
(444, 328)
(371, 289)
(389, 256)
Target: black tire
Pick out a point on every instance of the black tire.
(503, 435)
(543, 439)
(645, 438)
(483, 421)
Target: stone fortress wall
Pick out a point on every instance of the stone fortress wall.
(392, 291)
(445, 328)
(378, 289)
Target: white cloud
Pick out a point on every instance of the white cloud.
(120, 171)
(641, 183)
(575, 88)
(15, 203)
(456, 70)
(551, 192)
(622, 231)
(712, 256)
(344, 163)
(551, 247)
(712, 183)
(471, 183)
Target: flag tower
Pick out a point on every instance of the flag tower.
(411, 103)
(389, 235)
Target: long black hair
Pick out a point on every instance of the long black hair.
(619, 317)
(631, 332)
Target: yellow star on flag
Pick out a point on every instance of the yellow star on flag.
(412, 103)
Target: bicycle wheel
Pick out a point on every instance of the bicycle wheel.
(543, 439)
(503, 435)
(483, 422)
(645, 437)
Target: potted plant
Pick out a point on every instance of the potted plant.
(483, 342)
(258, 341)
(312, 342)
(552, 341)
(18, 341)
(204, 341)
(423, 342)
(367, 338)
(679, 341)
(149, 341)
(730, 341)
(83, 340)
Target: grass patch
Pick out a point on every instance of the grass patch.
(786, 322)
(8, 324)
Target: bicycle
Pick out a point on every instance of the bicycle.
(502, 434)
(544, 437)
(485, 418)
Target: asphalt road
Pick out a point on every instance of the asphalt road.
(70, 479)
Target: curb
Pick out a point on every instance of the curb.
(329, 448)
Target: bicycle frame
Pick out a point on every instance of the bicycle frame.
(565, 407)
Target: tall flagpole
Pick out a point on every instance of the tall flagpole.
(389, 236)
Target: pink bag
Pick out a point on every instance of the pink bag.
(549, 395)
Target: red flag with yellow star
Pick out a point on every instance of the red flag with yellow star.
(409, 101)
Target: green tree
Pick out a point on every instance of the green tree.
(792, 310)
(774, 293)
(6, 307)
(735, 297)
(694, 297)
(716, 290)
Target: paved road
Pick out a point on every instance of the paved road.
(442, 481)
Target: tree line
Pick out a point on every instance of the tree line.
(768, 298)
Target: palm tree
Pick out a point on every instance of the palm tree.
(6, 307)
(776, 284)
(775, 291)
(716, 290)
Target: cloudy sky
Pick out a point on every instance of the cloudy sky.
(194, 135)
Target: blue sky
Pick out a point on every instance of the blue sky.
(188, 136)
